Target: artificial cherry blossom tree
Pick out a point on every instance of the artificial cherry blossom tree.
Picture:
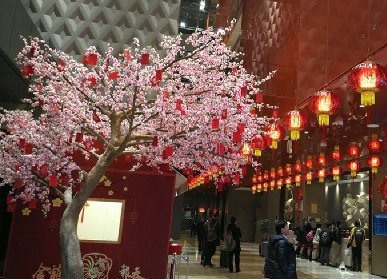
(191, 108)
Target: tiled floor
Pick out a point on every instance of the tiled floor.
(251, 265)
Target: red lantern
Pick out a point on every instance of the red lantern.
(353, 150)
(144, 59)
(353, 166)
(272, 173)
(288, 181)
(298, 166)
(367, 78)
(90, 59)
(336, 171)
(336, 155)
(373, 144)
(295, 122)
(265, 175)
(374, 162)
(321, 160)
(258, 144)
(309, 177)
(323, 104)
(280, 182)
(113, 75)
(27, 70)
(280, 172)
(246, 150)
(272, 184)
(309, 162)
(275, 133)
(259, 187)
(265, 186)
(297, 179)
(253, 189)
(321, 174)
(288, 169)
(254, 179)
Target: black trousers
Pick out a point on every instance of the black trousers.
(356, 258)
(237, 253)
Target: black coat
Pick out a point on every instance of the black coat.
(281, 261)
(236, 234)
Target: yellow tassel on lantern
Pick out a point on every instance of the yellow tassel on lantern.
(257, 152)
(374, 170)
(298, 184)
(321, 179)
(294, 135)
(367, 97)
(336, 177)
(353, 173)
(271, 188)
(253, 192)
(274, 144)
(279, 187)
(323, 119)
(309, 182)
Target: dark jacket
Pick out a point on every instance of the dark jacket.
(236, 234)
(281, 261)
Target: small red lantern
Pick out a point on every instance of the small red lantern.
(288, 169)
(295, 121)
(323, 104)
(336, 171)
(259, 178)
(265, 186)
(353, 166)
(353, 150)
(336, 155)
(259, 187)
(288, 181)
(144, 59)
(266, 175)
(298, 166)
(367, 78)
(297, 179)
(321, 174)
(272, 184)
(321, 160)
(275, 133)
(254, 179)
(374, 144)
(258, 144)
(272, 173)
(280, 182)
(309, 162)
(374, 162)
(253, 189)
(280, 172)
(309, 177)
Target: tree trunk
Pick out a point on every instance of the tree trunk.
(72, 265)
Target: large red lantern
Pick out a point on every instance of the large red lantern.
(353, 150)
(258, 144)
(374, 144)
(353, 166)
(323, 104)
(336, 171)
(309, 177)
(298, 166)
(321, 160)
(280, 172)
(374, 162)
(321, 174)
(288, 169)
(367, 78)
(295, 121)
(275, 133)
(336, 155)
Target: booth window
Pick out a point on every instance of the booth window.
(101, 221)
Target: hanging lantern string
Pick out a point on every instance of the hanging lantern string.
(327, 44)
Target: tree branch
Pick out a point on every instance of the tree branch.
(95, 155)
(92, 132)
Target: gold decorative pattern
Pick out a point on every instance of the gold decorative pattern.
(26, 211)
(57, 202)
(111, 193)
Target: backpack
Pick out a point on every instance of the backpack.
(230, 241)
(325, 238)
(309, 236)
(211, 233)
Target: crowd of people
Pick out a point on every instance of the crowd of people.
(310, 241)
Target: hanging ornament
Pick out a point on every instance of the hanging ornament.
(336, 155)
(266, 175)
(374, 162)
(272, 173)
(373, 144)
(254, 178)
(246, 150)
(297, 179)
(280, 172)
(298, 166)
(259, 187)
(288, 169)
(309, 177)
(353, 166)
(253, 189)
(336, 171)
(275, 133)
(265, 186)
(272, 185)
(295, 121)
(258, 144)
(353, 150)
(321, 174)
(323, 104)
(279, 182)
(321, 160)
(309, 162)
(367, 78)
(288, 181)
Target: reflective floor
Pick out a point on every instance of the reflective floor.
(251, 265)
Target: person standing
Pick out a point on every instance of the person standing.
(281, 260)
(356, 242)
(212, 240)
(325, 244)
(200, 233)
(236, 235)
(336, 244)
